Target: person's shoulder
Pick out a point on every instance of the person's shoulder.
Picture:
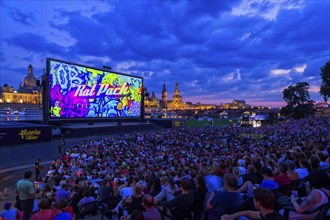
(273, 216)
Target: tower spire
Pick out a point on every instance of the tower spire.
(164, 95)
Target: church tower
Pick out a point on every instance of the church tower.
(30, 71)
(30, 81)
(177, 98)
(164, 95)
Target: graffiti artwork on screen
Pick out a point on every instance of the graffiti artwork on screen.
(82, 92)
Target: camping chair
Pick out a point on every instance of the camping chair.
(299, 186)
(164, 213)
(90, 208)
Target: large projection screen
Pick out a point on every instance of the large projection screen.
(79, 92)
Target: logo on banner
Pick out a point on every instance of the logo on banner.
(29, 134)
(177, 123)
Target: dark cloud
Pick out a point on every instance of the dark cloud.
(21, 17)
(35, 43)
(205, 47)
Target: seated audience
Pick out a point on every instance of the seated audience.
(44, 212)
(319, 181)
(264, 201)
(9, 213)
(224, 202)
(151, 212)
(180, 206)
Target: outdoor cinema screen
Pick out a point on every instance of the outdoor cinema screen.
(78, 91)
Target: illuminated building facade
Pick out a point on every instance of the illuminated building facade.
(26, 98)
(176, 103)
(150, 101)
(27, 93)
(236, 104)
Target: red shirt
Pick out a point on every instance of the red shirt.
(282, 180)
(46, 214)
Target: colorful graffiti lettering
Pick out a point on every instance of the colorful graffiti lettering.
(78, 92)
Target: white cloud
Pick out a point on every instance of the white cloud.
(192, 83)
(280, 72)
(245, 36)
(228, 77)
(266, 9)
(166, 72)
(235, 75)
(85, 59)
(127, 64)
(147, 74)
(238, 74)
(301, 68)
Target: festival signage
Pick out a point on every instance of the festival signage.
(24, 134)
(30, 134)
(81, 92)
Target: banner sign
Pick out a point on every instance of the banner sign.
(25, 135)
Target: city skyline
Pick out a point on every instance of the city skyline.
(217, 51)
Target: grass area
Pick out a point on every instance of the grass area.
(216, 122)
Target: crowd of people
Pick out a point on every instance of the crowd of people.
(207, 173)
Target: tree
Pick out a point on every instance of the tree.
(299, 103)
(325, 86)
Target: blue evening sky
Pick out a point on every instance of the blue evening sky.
(216, 50)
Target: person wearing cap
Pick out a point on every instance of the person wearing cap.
(8, 213)
(26, 194)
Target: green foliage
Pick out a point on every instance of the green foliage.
(216, 122)
(325, 86)
(299, 103)
(195, 123)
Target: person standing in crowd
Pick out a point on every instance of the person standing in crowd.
(37, 169)
(60, 145)
(26, 194)
(8, 213)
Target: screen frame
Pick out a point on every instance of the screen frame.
(47, 107)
